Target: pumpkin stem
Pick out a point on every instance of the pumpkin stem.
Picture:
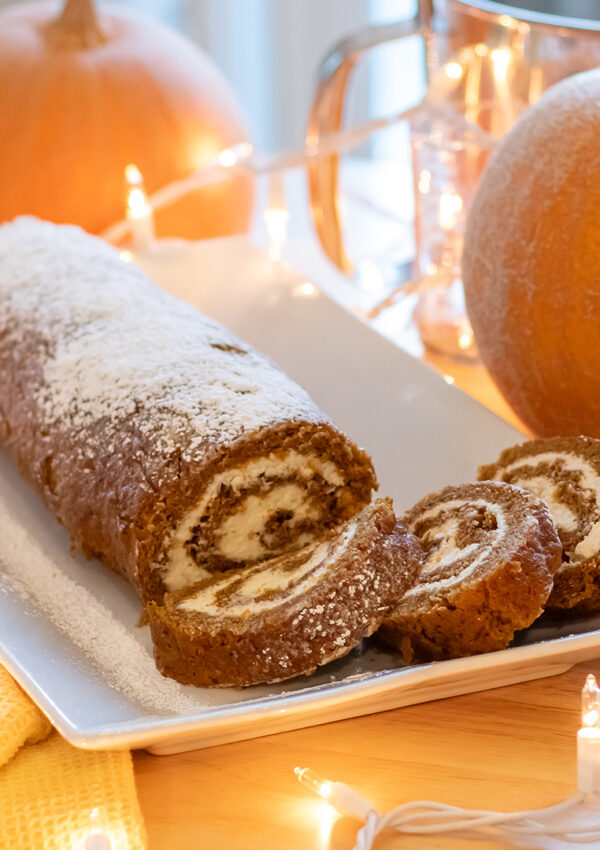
(77, 26)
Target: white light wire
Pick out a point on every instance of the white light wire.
(252, 163)
(423, 817)
(331, 143)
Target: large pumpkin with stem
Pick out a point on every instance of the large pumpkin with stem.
(87, 91)
(531, 264)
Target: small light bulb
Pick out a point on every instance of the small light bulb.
(588, 738)
(465, 335)
(312, 780)
(506, 21)
(97, 839)
(305, 290)
(137, 202)
(139, 209)
(227, 158)
(340, 796)
(590, 719)
(276, 217)
(454, 70)
(451, 205)
(501, 60)
(424, 181)
(133, 175)
(590, 703)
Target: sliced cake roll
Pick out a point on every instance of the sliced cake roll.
(287, 616)
(491, 551)
(565, 473)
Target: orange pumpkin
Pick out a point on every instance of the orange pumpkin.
(83, 95)
(531, 264)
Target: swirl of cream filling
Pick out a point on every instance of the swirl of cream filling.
(268, 491)
(544, 486)
(445, 550)
(266, 586)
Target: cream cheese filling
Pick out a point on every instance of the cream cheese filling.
(238, 538)
(545, 488)
(268, 579)
(449, 552)
(590, 545)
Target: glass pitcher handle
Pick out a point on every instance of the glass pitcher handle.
(326, 115)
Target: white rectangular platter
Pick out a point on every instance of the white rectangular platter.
(68, 627)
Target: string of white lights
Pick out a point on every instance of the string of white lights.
(574, 821)
(243, 159)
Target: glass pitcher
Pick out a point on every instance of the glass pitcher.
(482, 63)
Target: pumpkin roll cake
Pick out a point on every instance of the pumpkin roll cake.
(167, 447)
(289, 615)
(490, 552)
(565, 473)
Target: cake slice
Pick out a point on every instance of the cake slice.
(291, 614)
(565, 473)
(491, 551)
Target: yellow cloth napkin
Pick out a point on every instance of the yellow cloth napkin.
(48, 789)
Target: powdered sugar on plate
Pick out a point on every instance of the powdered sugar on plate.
(120, 659)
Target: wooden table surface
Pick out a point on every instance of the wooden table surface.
(510, 748)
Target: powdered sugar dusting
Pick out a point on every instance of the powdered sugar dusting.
(116, 348)
(123, 662)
